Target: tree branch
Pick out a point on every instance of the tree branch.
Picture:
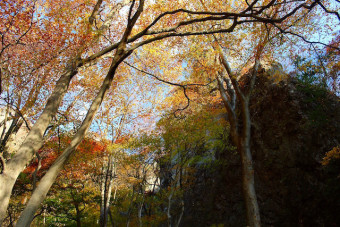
(329, 11)
(183, 86)
(95, 11)
(283, 31)
(3, 163)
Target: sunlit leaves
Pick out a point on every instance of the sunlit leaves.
(331, 155)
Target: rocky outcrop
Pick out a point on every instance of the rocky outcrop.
(294, 125)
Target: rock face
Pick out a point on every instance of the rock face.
(294, 125)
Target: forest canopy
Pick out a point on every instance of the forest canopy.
(124, 112)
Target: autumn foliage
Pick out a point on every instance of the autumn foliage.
(120, 111)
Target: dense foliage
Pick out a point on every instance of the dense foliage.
(169, 113)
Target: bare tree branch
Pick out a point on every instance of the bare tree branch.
(329, 11)
(95, 11)
(183, 86)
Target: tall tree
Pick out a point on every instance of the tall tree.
(34, 140)
(152, 26)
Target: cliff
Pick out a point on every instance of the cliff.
(293, 126)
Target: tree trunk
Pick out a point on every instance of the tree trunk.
(78, 218)
(140, 209)
(34, 139)
(78, 222)
(102, 193)
(242, 140)
(7, 134)
(5, 123)
(108, 194)
(106, 188)
(181, 215)
(46, 182)
(249, 194)
(14, 128)
(32, 142)
(111, 219)
(241, 135)
(169, 208)
(130, 207)
(252, 207)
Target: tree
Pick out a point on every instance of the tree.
(189, 144)
(34, 139)
(236, 101)
(136, 34)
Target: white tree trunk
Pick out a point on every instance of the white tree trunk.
(102, 193)
(249, 194)
(241, 136)
(252, 207)
(106, 188)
